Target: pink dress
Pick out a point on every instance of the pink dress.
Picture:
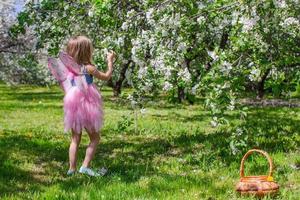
(83, 106)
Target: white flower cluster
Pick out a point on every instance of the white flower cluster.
(149, 16)
(125, 26)
(280, 3)
(130, 13)
(226, 68)
(137, 49)
(167, 86)
(185, 75)
(133, 102)
(201, 19)
(142, 72)
(214, 122)
(289, 22)
(195, 88)
(147, 87)
(213, 55)
(182, 46)
(255, 74)
(248, 23)
(231, 105)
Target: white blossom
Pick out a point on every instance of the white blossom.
(231, 105)
(235, 15)
(200, 5)
(148, 86)
(168, 73)
(290, 21)
(182, 46)
(214, 122)
(91, 13)
(194, 89)
(184, 74)
(280, 3)
(213, 55)
(255, 74)
(200, 19)
(142, 72)
(248, 23)
(133, 103)
(164, 33)
(149, 14)
(226, 67)
(125, 26)
(120, 41)
(167, 86)
(130, 13)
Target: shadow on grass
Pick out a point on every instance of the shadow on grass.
(181, 117)
(18, 150)
(132, 157)
(12, 178)
(273, 130)
(37, 96)
(129, 160)
(123, 103)
(158, 186)
(25, 94)
(20, 106)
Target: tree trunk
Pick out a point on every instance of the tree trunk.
(224, 38)
(260, 90)
(117, 87)
(181, 94)
(110, 83)
(261, 85)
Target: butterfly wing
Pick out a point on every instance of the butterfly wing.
(67, 72)
(60, 72)
(70, 63)
(75, 68)
(57, 69)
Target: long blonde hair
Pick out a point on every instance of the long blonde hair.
(81, 49)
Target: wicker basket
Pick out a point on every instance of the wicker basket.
(257, 185)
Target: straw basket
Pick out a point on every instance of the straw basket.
(257, 185)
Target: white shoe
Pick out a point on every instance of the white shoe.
(88, 171)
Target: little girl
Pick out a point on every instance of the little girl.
(83, 109)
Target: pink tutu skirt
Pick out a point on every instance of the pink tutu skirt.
(83, 109)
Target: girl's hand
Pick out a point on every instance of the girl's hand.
(111, 56)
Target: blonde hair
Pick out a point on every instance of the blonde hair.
(81, 49)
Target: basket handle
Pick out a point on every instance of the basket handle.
(242, 173)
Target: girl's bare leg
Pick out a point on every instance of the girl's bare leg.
(73, 150)
(91, 149)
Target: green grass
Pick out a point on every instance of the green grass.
(175, 154)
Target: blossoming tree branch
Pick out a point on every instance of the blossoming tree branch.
(215, 49)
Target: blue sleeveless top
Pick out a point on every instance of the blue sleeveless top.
(89, 78)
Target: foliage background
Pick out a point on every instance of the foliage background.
(179, 61)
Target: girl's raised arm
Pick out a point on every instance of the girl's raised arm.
(101, 75)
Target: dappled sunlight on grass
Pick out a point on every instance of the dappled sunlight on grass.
(175, 153)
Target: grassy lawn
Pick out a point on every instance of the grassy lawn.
(175, 154)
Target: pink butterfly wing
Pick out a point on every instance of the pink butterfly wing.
(70, 63)
(65, 69)
(60, 72)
